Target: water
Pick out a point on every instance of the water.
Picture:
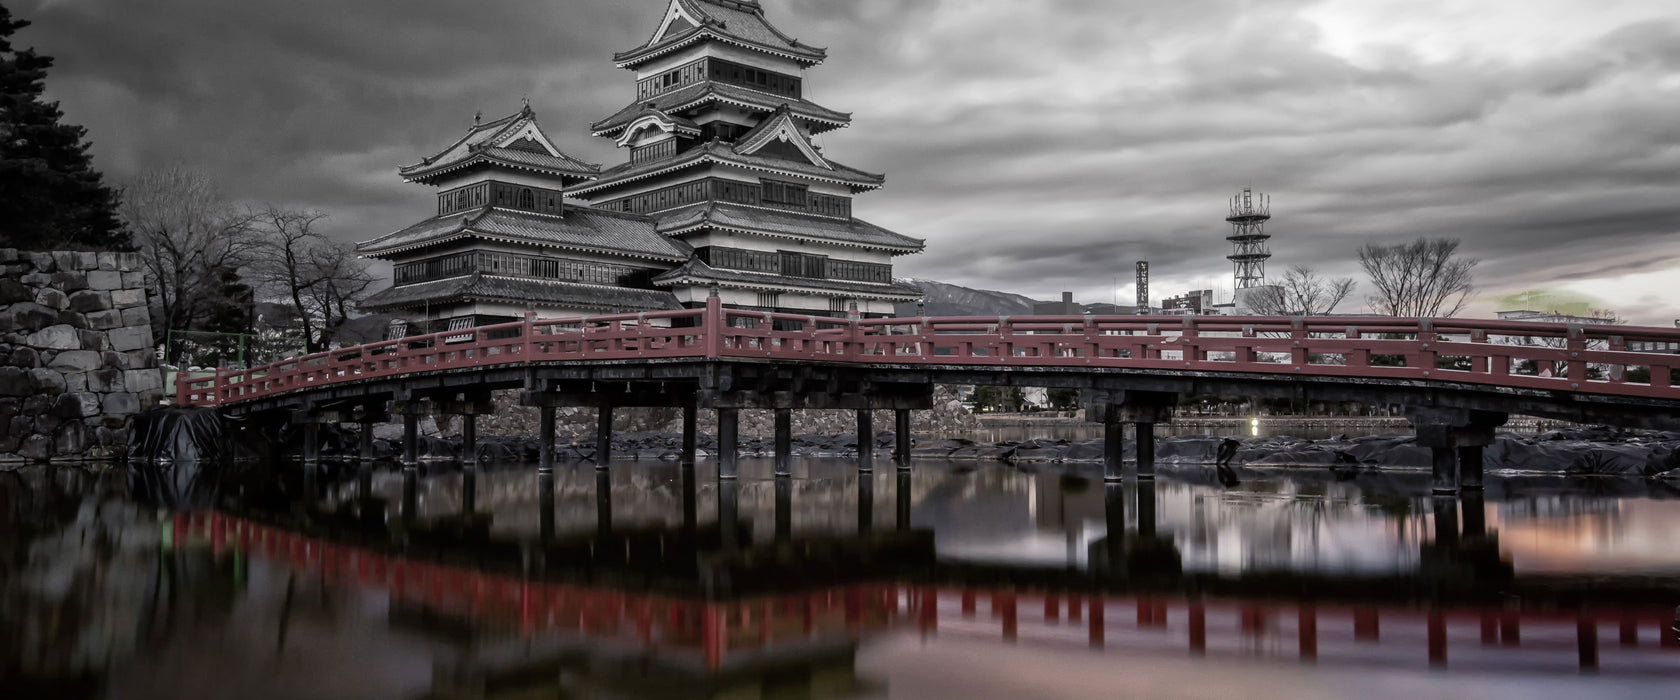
(954, 579)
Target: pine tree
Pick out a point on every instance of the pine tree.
(51, 198)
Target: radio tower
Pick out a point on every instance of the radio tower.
(1249, 213)
(1143, 287)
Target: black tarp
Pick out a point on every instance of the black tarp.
(189, 456)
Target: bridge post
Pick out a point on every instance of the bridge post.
(690, 431)
(366, 441)
(469, 463)
(1445, 431)
(866, 440)
(784, 442)
(1145, 451)
(311, 455)
(1146, 508)
(902, 497)
(901, 437)
(1470, 461)
(545, 440)
(784, 509)
(729, 438)
(866, 503)
(603, 502)
(364, 470)
(1114, 445)
(603, 437)
(411, 440)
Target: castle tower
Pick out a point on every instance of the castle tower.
(721, 157)
(1250, 211)
(504, 241)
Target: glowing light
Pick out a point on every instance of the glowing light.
(1254, 427)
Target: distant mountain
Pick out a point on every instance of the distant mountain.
(954, 300)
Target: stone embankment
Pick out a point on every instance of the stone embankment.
(76, 360)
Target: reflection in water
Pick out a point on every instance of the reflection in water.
(656, 580)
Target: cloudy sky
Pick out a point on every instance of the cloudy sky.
(1038, 145)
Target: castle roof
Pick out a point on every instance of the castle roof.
(515, 141)
(580, 229)
(818, 118)
(716, 151)
(518, 290)
(775, 223)
(735, 22)
(697, 272)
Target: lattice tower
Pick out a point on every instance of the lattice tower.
(1143, 287)
(1249, 213)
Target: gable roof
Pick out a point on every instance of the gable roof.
(579, 229)
(515, 141)
(779, 128)
(659, 120)
(716, 151)
(775, 223)
(737, 22)
(819, 118)
(480, 286)
(696, 271)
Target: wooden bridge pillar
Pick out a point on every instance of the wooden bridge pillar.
(1470, 461)
(1146, 508)
(690, 431)
(866, 440)
(469, 442)
(545, 440)
(902, 497)
(866, 503)
(901, 438)
(1114, 446)
(784, 442)
(545, 505)
(603, 437)
(1143, 409)
(784, 508)
(411, 440)
(311, 457)
(364, 470)
(603, 503)
(365, 440)
(1446, 432)
(729, 442)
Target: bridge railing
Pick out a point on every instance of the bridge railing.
(1550, 356)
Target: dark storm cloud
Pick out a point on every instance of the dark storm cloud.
(1037, 145)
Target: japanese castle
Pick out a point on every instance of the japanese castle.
(724, 191)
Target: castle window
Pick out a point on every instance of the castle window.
(527, 199)
(769, 300)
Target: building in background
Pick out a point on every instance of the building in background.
(1196, 303)
(504, 240)
(724, 191)
(721, 157)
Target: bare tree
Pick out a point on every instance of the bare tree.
(191, 240)
(1301, 292)
(1424, 278)
(319, 280)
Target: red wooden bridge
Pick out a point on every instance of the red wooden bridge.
(1457, 378)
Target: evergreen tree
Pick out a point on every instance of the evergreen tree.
(50, 195)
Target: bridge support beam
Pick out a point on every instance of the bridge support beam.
(411, 440)
(784, 442)
(866, 440)
(1448, 432)
(784, 509)
(902, 498)
(901, 438)
(690, 431)
(545, 440)
(729, 442)
(866, 503)
(1146, 509)
(1143, 409)
(469, 442)
(603, 437)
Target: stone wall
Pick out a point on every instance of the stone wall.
(76, 359)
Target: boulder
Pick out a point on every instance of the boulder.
(122, 404)
(25, 357)
(71, 439)
(105, 381)
(107, 261)
(92, 339)
(137, 316)
(16, 381)
(28, 316)
(89, 301)
(105, 320)
(59, 337)
(142, 380)
(128, 298)
(76, 405)
(48, 381)
(105, 280)
(130, 338)
(13, 291)
(69, 282)
(77, 361)
(43, 262)
(36, 447)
